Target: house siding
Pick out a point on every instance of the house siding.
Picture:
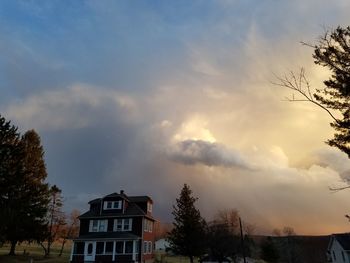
(137, 234)
(337, 253)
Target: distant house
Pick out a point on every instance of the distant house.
(339, 248)
(117, 228)
(162, 244)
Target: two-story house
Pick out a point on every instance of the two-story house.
(117, 228)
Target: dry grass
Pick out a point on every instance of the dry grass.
(27, 252)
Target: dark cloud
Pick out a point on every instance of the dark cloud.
(208, 153)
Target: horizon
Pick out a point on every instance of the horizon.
(147, 96)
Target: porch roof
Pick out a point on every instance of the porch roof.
(107, 235)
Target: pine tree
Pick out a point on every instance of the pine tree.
(333, 52)
(23, 191)
(188, 235)
(32, 194)
(9, 155)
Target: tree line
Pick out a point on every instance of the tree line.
(31, 209)
(224, 237)
(220, 238)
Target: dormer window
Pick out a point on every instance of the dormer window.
(107, 205)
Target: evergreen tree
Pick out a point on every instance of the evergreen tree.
(188, 235)
(32, 194)
(23, 191)
(9, 154)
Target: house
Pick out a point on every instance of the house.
(162, 244)
(339, 248)
(117, 228)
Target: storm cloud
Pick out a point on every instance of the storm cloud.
(211, 154)
(147, 97)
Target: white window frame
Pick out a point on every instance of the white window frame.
(123, 224)
(147, 247)
(100, 223)
(149, 207)
(148, 226)
(113, 205)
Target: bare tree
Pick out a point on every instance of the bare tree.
(71, 229)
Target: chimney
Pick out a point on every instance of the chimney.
(121, 192)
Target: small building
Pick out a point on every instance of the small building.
(117, 228)
(339, 248)
(162, 244)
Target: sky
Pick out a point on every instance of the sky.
(145, 96)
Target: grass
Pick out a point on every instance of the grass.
(27, 252)
(162, 257)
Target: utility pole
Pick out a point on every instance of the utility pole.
(242, 240)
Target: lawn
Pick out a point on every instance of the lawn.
(25, 252)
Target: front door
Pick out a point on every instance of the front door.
(90, 248)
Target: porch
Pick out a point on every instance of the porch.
(105, 251)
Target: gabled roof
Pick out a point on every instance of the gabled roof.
(343, 239)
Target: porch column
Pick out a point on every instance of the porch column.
(113, 257)
(72, 251)
(134, 250)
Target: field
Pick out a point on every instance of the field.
(27, 252)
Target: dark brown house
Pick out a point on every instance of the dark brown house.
(117, 228)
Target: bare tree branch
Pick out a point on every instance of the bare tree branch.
(300, 84)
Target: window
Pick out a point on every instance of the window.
(150, 247)
(100, 248)
(129, 247)
(118, 224)
(94, 226)
(148, 225)
(342, 254)
(89, 249)
(122, 224)
(127, 224)
(149, 207)
(102, 226)
(109, 247)
(119, 248)
(145, 247)
(98, 225)
(137, 247)
(117, 205)
(335, 258)
(107, 205)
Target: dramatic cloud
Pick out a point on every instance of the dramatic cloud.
(211, 154)
(147, 97)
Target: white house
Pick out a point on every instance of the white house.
(339, 248)
(162, 244)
